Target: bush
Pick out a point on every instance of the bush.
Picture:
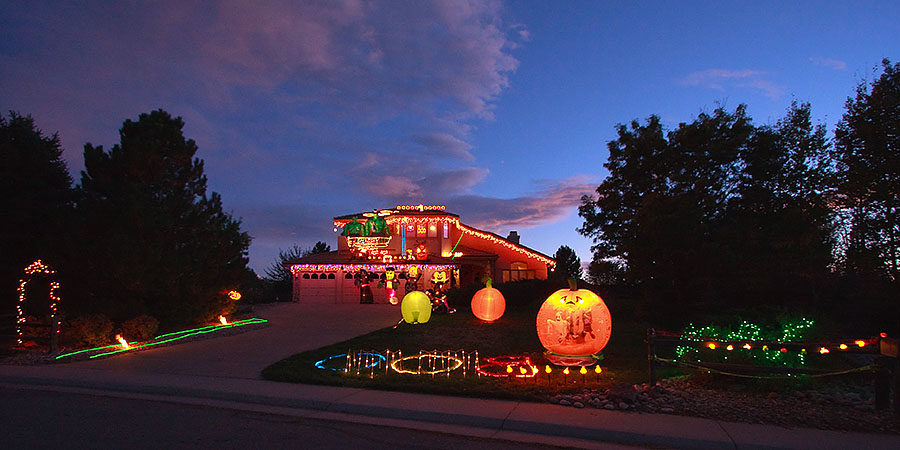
(141, 328)
(92, 330)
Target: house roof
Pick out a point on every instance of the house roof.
(342, 220)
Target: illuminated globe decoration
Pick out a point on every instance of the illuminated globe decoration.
(573, 325)
(416, 307)
(488, 303)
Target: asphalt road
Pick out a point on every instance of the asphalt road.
(60, 420)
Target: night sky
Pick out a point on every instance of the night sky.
(499, 110)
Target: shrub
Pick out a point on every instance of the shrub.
(141, 328)
(93, 330)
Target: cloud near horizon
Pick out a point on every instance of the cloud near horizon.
(553, 202)
(721, 79)
(830, 63)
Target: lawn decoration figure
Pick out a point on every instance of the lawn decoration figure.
(488, 303)
(438, 294)
(390, 284)
(412, 279)
(354, 229)
(376, 225)
(416, 307)
(573, 325)
(362, 281)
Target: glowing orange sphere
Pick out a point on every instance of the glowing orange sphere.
(488, 303)
(573, 325)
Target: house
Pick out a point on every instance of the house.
(412, 240)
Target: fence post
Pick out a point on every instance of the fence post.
(651, 355)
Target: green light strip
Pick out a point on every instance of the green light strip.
(184, 334)
(204, 331)
(453, 250)
(239, 322)
(88, 350)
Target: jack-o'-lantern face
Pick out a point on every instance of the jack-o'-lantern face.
(413, 272)
(439, 277)
(574, 323)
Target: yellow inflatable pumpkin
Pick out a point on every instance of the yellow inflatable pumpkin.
(573, 325)
(416, 307)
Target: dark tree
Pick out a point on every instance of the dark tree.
(779, 227)
(717, 213)
(155, 242)
(867, 148)
(661, 206)
(568, 264)
(280, 276)
(35, 201)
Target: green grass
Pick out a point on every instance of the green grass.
(624, 362)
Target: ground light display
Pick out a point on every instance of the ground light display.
(573, 325)
(125, 346)
(461, 363)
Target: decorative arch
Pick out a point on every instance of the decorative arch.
(38, 268)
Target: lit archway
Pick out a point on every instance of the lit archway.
(37, 268)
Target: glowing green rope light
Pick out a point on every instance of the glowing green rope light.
(453, 250)
(88, 350)
(180, 335)
(204, 331)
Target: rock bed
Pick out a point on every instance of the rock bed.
(831, 405)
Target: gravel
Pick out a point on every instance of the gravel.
(830, 405)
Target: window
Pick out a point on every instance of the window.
(518, 271)
(305, 276)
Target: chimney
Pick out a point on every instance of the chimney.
(513, 237)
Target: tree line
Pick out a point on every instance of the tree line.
(721, 214)
(139, 234)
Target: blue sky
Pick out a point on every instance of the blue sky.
(499, 110)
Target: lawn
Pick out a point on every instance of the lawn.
(624, 358)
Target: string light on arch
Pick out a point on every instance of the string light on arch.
(36, 268)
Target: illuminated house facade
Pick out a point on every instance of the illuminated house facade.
(425, 238)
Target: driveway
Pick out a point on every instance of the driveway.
(292, 328)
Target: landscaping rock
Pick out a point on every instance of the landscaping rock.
(578, 405)
(565, 403)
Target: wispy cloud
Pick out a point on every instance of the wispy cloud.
(721, 79)
(549, 204)
(830, 63)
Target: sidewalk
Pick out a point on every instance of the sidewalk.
(194, 374)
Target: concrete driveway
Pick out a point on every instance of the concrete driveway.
(292, 328)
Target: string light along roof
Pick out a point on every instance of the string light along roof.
(439, 216)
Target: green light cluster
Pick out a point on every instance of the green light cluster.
(745, 332)
(163, 338)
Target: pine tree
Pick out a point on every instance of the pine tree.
(156, 242)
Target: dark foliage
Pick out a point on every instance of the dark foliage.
(35, 202)
(717, 214)
(280, 278)
(568, 264)
(154, 242)
(867, 149)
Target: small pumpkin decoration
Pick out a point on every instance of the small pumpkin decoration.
(416, 307)
(488, 303)
(573, 325)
